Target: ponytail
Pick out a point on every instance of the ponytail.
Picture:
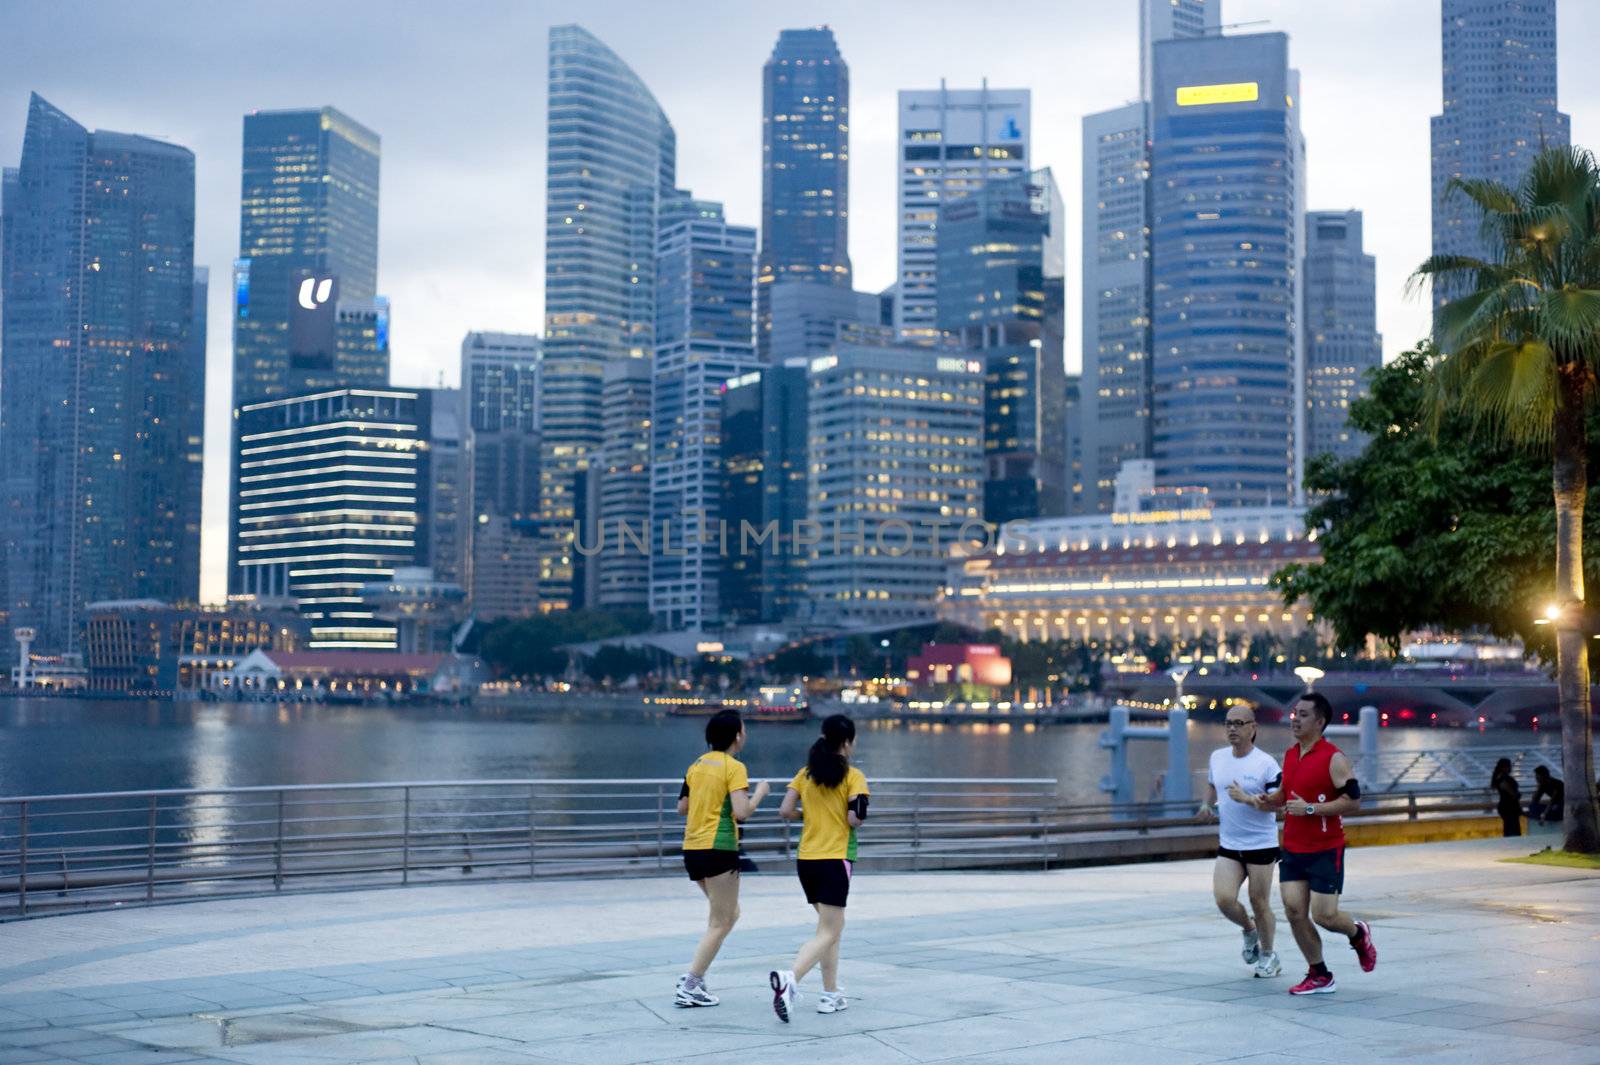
(825, 764)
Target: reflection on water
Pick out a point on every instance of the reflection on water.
(57, 745)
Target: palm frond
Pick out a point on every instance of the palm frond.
(1485, 310)
(1570, 317)
(1513, 391)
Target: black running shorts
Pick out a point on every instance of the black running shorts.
(1263, 856)
(701, 864)
(825, 880)
(1322, 870)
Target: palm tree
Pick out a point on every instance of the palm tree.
(1519, 338)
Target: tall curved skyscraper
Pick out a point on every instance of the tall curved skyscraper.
(805, 167)
(611, 155)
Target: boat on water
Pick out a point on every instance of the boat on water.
(776, 703)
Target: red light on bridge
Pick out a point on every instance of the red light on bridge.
(1407, 715)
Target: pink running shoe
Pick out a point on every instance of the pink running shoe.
(1315, 985)
(1364, 948)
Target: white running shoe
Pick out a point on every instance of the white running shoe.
(1252, 947)
(697, 995)
(832, 1002)
(783, 993)
(1269, 965)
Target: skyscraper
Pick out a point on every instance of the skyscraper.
(307, 533)
(100, 374)
(805, 167)
(1115, 412)
(611, 157)
(705, 335)
(1226, 174)
(1342, 340)
(895, 447)
(1499, 106)
(308, 241)
(952, 141)
(624, 526)
(1001, 290)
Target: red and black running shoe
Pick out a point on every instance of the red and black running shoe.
(1364, 948)
(1315, 985)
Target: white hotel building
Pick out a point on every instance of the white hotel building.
(1177, 572)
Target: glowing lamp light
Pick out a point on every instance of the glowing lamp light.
(1308, 675)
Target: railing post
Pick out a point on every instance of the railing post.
(916, 828)
(150, 856)
(405, 839)
(22, 857)
(533, 832)
(277, 849)
(661, 826)
(1411, 804)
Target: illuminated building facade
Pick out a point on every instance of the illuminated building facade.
(150, 647)
(1116, 262)
(332, 490)
(308, 212)
(1179, 571)
(1227, 177)
(623, 565)
(102, 376)
(805, 169)
(895, 449)
(1500, 107)
(705, 335)
(952, 142)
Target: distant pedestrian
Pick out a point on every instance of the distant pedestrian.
(715, 797)
(1549, 797)
(1318, 789)
(830, 796)
(1507, 798)
(1247, 838)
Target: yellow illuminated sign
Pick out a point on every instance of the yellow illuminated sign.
(1234, 92)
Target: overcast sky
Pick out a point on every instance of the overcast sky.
(457, 92)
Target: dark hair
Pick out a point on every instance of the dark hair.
(1539, 771)
(1502, 768)
(723, 729)
(1319, 703)
(825, 764)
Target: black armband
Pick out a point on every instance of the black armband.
(1351, 788)
(683, 792)
(858, 806)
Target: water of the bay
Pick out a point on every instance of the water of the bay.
(53, 746)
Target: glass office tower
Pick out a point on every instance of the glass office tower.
(805, 168)
(101, 367)
(1342, 339)
(1226, 241)
(308, 239)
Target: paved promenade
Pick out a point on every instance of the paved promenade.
(1481, 961)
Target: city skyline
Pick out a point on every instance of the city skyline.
(460, 224)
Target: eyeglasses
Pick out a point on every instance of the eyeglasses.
(1236, 724)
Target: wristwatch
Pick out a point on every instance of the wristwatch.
(1310, 810)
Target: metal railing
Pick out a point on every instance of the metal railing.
(107, 849)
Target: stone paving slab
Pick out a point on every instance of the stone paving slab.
(1481, 961)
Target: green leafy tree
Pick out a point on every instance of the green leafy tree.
(1520, 337)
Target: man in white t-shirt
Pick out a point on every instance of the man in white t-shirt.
(1248, 838)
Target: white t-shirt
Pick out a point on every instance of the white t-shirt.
(1244, 828)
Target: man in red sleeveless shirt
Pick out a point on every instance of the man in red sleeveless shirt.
(1318, 788)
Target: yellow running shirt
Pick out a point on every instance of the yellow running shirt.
(827, 832)
(710, 780)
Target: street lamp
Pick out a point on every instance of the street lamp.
(1308, 675)
(1178, 673)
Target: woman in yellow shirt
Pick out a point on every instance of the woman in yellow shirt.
(715, 797)
(831, 796)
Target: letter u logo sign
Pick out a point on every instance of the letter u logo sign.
(314, 293)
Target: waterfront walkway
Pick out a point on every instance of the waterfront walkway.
(1481, 961)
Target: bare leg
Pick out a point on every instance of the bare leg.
(830, 968)
(1297, 910)
(1325, 911)
(722, 891)
(1226, 876)
(830, 925)
(1261, 904)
